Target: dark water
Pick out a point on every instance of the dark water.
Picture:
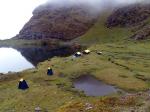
(38, 54)
(18, 59)
(93, 87)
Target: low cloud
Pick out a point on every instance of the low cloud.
(96, 5)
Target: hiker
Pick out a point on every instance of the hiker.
(49, 71)
(23, 84)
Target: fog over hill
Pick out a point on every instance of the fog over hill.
(67, 19)
(95, 4)
(13, 9)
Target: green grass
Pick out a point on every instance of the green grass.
(106, 70)
(100, 34)
(124, 63)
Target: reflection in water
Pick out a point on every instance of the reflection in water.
(12, 60)
(93, 87)
(40, 54)
(17, 59)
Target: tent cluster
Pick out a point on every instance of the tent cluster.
(78, 54)
(23, 84)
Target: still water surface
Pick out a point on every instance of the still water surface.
(18, 59)
(12, 60)
(93, 87)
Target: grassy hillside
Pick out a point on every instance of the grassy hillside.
(100, 34)
(124, 63)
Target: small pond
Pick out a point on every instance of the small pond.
(92, 86)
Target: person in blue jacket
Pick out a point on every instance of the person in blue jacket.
(49, 71)
(23, 84)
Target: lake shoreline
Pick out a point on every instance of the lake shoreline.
(35, 53)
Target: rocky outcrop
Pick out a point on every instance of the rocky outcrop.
(129, 15)
(133, 16)
(142, 34)
(63, 23)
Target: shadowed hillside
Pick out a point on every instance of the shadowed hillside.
(134, 15)
(63, 23)
(129, 15)
(128, 22)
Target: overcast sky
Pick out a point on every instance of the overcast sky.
(15, 13)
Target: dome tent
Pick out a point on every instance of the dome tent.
(99, 52)
(23, 84)
(49, 71)
(87, 51)
(77, 54)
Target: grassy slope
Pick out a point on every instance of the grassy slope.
(99, 34)
(128, 58)
(128, 68)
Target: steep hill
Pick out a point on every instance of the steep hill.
(129, 15)
(56, 22)
(67, 23)
(134, 15)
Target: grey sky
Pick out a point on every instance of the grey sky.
(15, 13)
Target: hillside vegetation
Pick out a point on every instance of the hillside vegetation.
(124, 63)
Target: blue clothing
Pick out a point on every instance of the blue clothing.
(23, 85)
(49, 72)
(77, 55)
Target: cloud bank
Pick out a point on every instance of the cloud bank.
(94, 5)
(96, 2)
(15, 13)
